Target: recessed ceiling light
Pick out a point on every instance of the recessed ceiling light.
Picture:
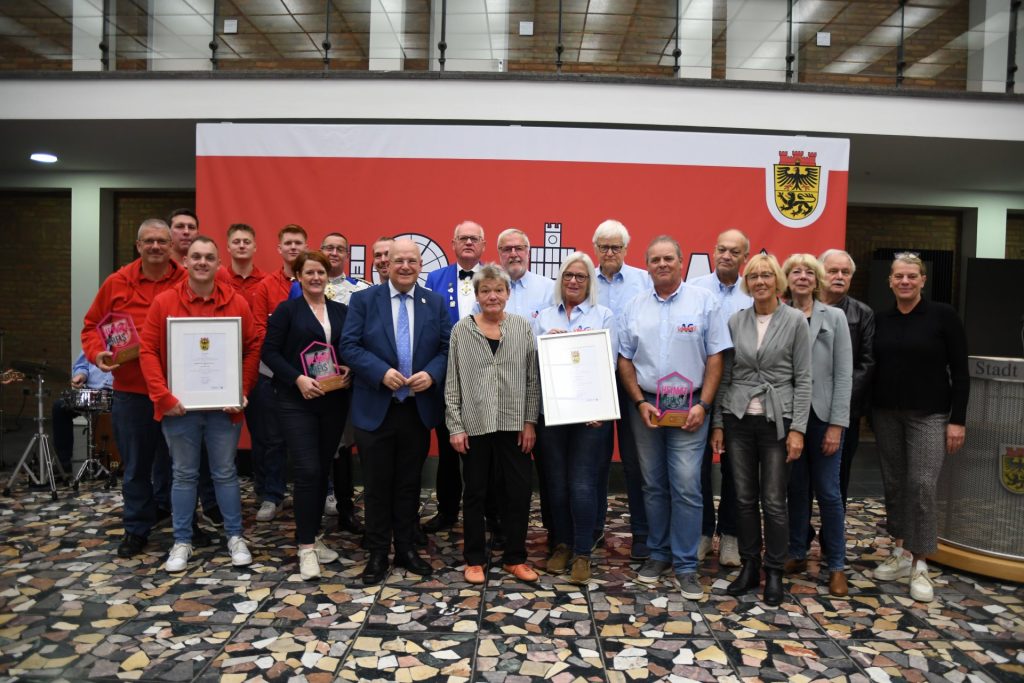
(44, 158)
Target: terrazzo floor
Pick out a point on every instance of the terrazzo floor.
(70, 610)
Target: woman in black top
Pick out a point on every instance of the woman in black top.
(920, 408)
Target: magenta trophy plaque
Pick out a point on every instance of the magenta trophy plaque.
(117, 330)
(320, 363)
(675, 397)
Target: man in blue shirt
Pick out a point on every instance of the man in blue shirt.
(530, 293)
(731, 253)
(84, 375)
(617, 285)
(680, 329)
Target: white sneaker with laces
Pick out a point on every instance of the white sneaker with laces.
(704, 548)
(921, 588)
(240, 555)
(729, 551)
(323, 553)
(268, 510)
(896, 566)
(309, 567)
(331, 506)
(177, 559)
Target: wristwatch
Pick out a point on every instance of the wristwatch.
(704, 404)
(638, 403)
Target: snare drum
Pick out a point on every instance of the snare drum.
(88, 400)
(103, 441)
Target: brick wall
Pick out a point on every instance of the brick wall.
(1015, 236)
(35, 282)
(869, 228)
(131, 208)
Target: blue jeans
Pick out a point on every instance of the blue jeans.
(670, 460)
(185, 437)
(268, 450)
(140, 443)
(817, 472)
(630, 469)
(574, 461)
(163, 479)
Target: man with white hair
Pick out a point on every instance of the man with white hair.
(617, 285)
(839, 269)
(530, 293)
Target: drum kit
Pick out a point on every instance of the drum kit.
(94, 404)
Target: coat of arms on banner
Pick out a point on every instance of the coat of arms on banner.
(797, 184)
(1011, 468)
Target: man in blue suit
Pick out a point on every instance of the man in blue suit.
(455, 284)
(396, 343)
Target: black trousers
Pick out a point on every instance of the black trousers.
(761, 475)
(449, 477)
(343, 488)
(850, 442)
(393, 456)
(496, 457)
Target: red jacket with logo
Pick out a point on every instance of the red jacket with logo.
(246, 286)
(182, 302)
(128, 291)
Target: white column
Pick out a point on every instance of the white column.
(988, 45)
(387, 27)
(86, 35)
(755, 40)
(991, 230)
(86, 245)
(476, 32)
(180, 34)
(696, 20)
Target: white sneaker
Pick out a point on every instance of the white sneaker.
(268, 510)
(729, 551)
(704, 548)
(896, 566)
(177, 559)
(331, 506)
(921, 584)
(323, 553)
(240, 555)
(309, 567)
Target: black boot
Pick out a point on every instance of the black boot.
(749, 578)
(773, 587)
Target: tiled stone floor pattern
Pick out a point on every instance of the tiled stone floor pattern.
(70, 610)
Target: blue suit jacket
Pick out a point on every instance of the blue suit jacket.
(368, 345)
(445, 281)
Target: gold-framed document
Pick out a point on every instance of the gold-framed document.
(577, 377)
(204, 362)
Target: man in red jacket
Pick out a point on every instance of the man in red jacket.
(199, 296)
(130, 291)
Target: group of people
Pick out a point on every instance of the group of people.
(783, 364)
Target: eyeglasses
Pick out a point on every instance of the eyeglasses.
(610, 248)
(521, 248)
(766, 275)
(578, 277)
(469, 239)
(159, 241)
(330, 248)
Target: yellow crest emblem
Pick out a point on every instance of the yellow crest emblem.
(797, 184)
(204, 343)
(1011, 468)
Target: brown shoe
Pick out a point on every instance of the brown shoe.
(523, 572)
(837, 584)
(794, 566)
(558, 563)
(474, 574)
(580, 570)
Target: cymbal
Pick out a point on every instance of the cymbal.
(34, 369)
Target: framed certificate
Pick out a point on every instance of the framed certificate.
(577, 377)
(204, 362)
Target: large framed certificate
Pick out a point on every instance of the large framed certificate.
(204, 362)
(577, 377)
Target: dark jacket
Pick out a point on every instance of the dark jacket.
(861, 320)
(290, 330)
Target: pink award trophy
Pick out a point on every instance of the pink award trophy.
(117, 330)
(675, 397)
(320, 363)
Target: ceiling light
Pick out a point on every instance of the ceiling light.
(44, 158)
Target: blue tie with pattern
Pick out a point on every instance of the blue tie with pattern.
(404, 347)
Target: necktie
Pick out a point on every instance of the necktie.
(465, 274)
(404, 347)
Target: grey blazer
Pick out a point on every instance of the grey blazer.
(831, 364)
(779, 372)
